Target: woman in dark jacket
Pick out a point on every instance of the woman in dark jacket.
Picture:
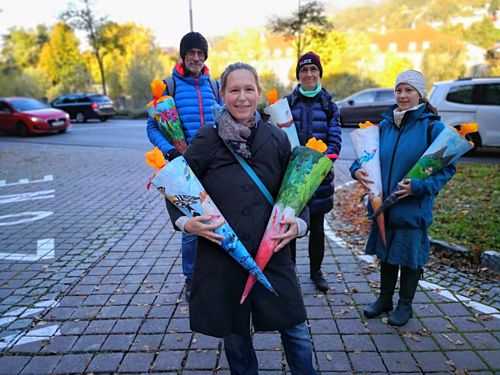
(315, 115)
(408, 129)
(218, 280)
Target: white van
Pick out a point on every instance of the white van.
(471, 100)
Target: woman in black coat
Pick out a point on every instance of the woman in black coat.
(218, 280)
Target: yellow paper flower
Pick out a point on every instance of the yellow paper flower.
(155, 158)
(272, 96)
(365, 124)
(468, 128)
(316, 144)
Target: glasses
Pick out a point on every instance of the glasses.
(194, 53)
(309, 69)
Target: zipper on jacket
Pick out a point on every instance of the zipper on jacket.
(200, 103)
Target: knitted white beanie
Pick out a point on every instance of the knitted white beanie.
(413, 78)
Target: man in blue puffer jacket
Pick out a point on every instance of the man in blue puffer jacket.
(194, 97)
(315, 115)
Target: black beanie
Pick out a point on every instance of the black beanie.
(193, 40)
(309, 58)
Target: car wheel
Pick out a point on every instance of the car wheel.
(22, 129)
(80, 117)
(103, 119)
(476, 139)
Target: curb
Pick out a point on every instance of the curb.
(489, 259)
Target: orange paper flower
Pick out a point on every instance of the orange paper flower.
(157, 88)
(155, 158)
(365, 124)
(316, 144)
(272, 96)
(468, 128)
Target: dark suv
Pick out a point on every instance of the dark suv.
(366, 105)
(82, 107)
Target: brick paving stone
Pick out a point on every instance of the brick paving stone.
(269, 360)
(169, 361)
(481, 340)
(89, 343)
(119, 342)
(41, 365)
(491, 357)
(366, 361)
(73, 364)
(400, 361)
(146, 343)
(127, 326)
(176, 341)
(201, 359)
(467, 360)
(377, 326)
(60, 344)
(99, 327)
(154, 326)
(358, 343)
(13, 364)
(136, 362)
(321, 326)
(267, 341)
(333, 361)
(105, 362)
(426, 310)
(161, 312)
(420, 343)
(451, 341)
(388, 343)
(454, 309)
(327, 342)
(200, 341)
(432, 361)
(318, 312)
(349, 326)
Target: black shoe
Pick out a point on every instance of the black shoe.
(319, 281)
(408, 286)
(388, 280)
(187, 291)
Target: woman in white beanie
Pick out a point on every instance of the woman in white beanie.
(407, 130)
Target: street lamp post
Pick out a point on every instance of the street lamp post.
(191, 15)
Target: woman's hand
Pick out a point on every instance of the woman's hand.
(404, 189)
(362, 178)
(197, 226)
(289, 235)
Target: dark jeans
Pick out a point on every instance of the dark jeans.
(188, 249)
(242, 360)
(316, 242)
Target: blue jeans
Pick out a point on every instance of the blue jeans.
(188, 249)
(242, 360)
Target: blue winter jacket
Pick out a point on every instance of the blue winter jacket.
(310, 120)
(400, 148)
(194, 99)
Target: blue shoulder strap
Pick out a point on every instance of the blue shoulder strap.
(253, 176)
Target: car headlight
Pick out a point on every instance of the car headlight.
(35, 119)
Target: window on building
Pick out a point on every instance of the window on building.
(393, 47)
(412, 46)
(426, 44)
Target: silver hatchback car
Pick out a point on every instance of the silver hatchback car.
(471, 100)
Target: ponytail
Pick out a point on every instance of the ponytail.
(429, 107)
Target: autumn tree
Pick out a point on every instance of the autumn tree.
(294, 26)
(83, 18)
(21, 47)
(444, 60)
(61, 61)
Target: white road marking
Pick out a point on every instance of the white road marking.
(24, 181)
(31, 216)
(44, 251)
(14, 198)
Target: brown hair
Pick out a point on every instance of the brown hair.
(237, 66)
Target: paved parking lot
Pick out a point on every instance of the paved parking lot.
(96, 286)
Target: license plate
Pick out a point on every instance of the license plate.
(57, 123)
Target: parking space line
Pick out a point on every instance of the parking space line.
(24, 181)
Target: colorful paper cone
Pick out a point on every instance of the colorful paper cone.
(179, 184)
(305, 172)
(448, 146)
(163, 110)
(281, 116)
(366, 142)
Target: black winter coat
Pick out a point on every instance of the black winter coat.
(309, 116)
(218, 280)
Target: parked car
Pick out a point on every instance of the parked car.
(30, 116)
(365, 105)
(471, 100)
(82, 107)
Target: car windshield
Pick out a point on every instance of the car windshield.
(23, 105)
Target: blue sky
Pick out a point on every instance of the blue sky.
(169, 19)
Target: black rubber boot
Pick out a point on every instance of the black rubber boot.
(388, 279)
(407, 288)
(319, 281)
